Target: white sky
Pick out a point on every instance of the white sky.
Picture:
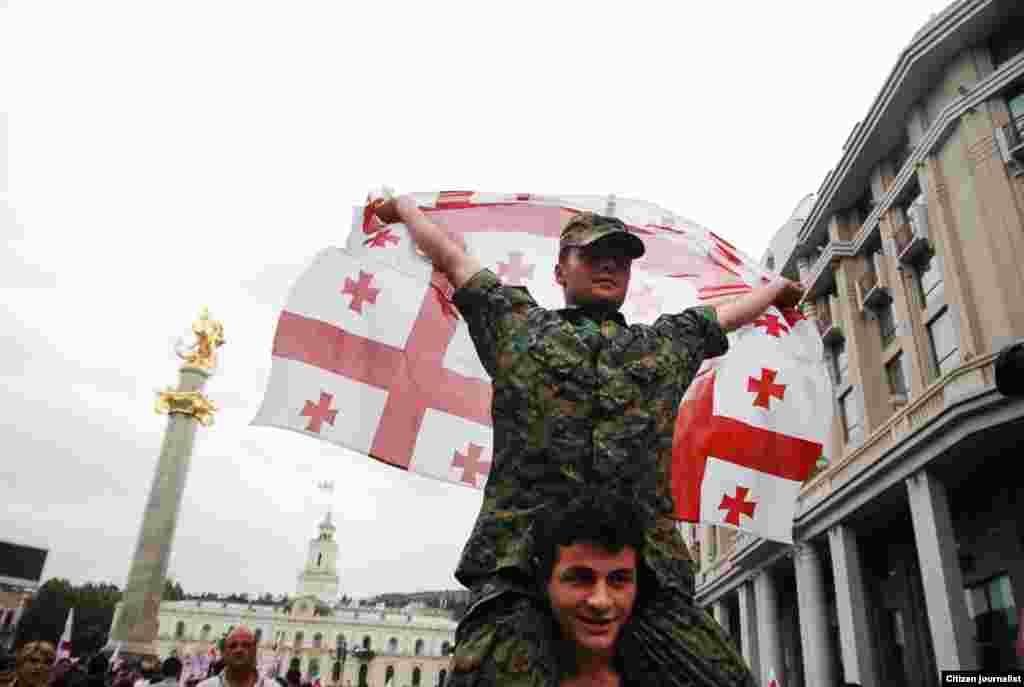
(165, 156)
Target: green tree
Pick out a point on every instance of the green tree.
(48, 610)
(173, 591)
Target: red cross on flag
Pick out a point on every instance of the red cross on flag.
(763, 411)
(370, 353)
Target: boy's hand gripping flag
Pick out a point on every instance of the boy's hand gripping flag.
(371, 354)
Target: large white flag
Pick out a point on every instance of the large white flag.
(371, 354)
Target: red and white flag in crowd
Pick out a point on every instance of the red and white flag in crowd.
(64, 647)
(772, 681)
(371, 354)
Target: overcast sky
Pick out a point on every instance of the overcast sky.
(164, 156)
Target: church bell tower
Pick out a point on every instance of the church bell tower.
(319, 577)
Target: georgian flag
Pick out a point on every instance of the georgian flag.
(371, 354)
(64, 647)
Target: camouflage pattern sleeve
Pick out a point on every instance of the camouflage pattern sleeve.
(494, 313)
(695, 331)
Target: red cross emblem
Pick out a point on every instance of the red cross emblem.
(360, 291)
(737, 505)
(415, 378)
(646, 302)
(515, 270)
(381, 239)
(321, 412)
(766, 388)
(772, 325)
(792, 315)
(471, 464)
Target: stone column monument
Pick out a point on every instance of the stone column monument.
(135, 622)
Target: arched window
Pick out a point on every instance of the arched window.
(446, 648)
(179, 630)
(416, 677)
(298, 640)
(258, 635)
(314, 668)
(319, 559)
(362, 675)
(318, 640)
(366, 642)
(336, 672)
(204, 634)
(339, 641)
(441, 676)
(389, 674)
(393, 645)
(419, 647)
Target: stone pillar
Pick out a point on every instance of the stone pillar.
(769, 639)
(852, 609)
(137, 622)
(748, 628)
(707, 535)
(951, 628)
(721, 615)
(810, 589)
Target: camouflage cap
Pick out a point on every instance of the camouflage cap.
(588, 227)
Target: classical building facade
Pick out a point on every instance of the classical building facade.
(909, 555)
(411, 645)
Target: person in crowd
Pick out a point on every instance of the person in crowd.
(587, 558)
(32, 664)
(581, 398)
(171, 672)
(239, 660)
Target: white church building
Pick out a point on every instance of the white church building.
(399, 647)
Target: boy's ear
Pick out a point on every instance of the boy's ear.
(559, 276)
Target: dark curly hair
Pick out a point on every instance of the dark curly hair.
(595, 516)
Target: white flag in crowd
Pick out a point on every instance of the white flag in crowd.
(64, 647)
(371, 354)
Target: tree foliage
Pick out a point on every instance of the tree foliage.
(173, 591)
(48, 610)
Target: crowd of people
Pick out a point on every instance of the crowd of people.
(35, 664)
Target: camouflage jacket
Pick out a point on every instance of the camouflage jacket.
(579, 399)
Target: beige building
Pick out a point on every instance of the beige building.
(910, 537)
(410, 645)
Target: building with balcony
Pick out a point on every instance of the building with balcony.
(909, 553)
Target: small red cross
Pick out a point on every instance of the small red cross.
(471, 464)
(515, 270)
(360, 291)
(766, 388)
(772, 325)
(647, 303)
(736, 505)
(381, 239)
(319, 412)
(792, 315)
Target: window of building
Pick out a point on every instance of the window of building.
(886, 323)
(318, 640)
(945, 346)
(393, 645)
(894, 374)
(419, 647)
(258, 635)
(298, 640)
(993, 609)
(366, 642)
(850, 413)
(416, 674)
(179, 630)
(930, 282)
(838, 362)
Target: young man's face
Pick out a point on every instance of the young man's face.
(240, 649)
(595, 275)
(592, 592)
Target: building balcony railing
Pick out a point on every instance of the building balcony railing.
(873, 286)
(828, 326)
(912, 240)
(1014, 133)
